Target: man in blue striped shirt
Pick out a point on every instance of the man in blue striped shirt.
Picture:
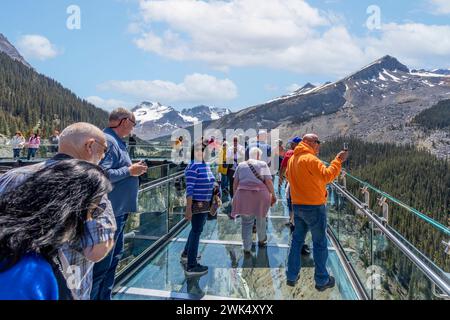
(199, 189)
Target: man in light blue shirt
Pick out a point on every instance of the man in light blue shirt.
(124, 177)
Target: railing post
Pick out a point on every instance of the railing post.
(382, 202)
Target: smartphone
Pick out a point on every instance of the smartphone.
(345, 146)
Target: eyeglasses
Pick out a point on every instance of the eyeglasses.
(134, 123)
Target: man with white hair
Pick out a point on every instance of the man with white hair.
(81, 141)
(124, 177)
(308, 178)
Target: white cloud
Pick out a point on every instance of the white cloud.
(293, 87)
(107, 104)
(285, 34)
(417, 45)
(34, 46)
(440, 6)
(199, 88)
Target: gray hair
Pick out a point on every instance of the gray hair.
(77, 133)
(119, 114)
(255, 153)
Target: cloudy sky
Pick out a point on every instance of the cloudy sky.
(234, 53)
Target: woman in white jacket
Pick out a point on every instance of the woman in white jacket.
(17, 142)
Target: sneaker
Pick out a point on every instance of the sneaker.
(198, 270)
(306, 251)
(184, 258)
(330, 284)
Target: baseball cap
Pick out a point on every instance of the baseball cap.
(296, 140)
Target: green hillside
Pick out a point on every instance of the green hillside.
(30, 101)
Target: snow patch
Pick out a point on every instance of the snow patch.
(391, 76)
(380, 76)
(189, 118)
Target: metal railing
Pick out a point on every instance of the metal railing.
(435, 275)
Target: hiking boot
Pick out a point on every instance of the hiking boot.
(198, 270)
(330, 284)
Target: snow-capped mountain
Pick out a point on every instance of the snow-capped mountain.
(10, 50)
(154, 119)
(376, 103)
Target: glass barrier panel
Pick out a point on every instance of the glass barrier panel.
(353, 231)
(177, 201)
(394, 276)
(146, 226)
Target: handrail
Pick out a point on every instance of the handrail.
(431, 275)
(419, 214)
(161, 181)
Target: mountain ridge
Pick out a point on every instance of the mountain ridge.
(11, 51)
(375, 103)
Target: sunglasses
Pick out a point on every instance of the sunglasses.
(134, 123)
(317, 141)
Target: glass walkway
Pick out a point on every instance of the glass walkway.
(368, 258)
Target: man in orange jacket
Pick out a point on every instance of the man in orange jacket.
(308, 178)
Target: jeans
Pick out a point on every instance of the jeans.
(16, 153)
(312, 218)
(191, 248)
(31, 153)
(247, 230)
(105, 270)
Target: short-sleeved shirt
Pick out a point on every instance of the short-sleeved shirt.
(245, 175)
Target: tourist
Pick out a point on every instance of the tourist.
(33, 145)
(199, 191)
(54, 142)
(124, 177)
(36, 225)
(254, 195)
(308, 178)
(235, 155)
(17, 142)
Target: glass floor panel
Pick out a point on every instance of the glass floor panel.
(232, 275)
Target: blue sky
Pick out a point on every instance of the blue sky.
(230, 54)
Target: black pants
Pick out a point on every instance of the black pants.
(230, 175)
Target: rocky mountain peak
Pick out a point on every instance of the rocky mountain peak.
(11, 51)
(385, 64)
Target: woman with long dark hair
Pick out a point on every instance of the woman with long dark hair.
(35, 225)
